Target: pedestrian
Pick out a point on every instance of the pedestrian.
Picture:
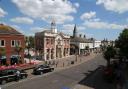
(53, 62)
(17, 75)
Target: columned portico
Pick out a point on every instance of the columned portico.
(56, 45)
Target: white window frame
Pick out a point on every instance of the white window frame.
(1, 43)
(14, 43)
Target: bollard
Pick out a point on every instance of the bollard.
(72, 62)
(63, 64)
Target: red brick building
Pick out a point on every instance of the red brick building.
(9, 39)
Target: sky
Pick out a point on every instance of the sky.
(94, 18)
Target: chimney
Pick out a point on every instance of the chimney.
(84, 36)
(80, 35)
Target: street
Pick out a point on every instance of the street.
(63, 79)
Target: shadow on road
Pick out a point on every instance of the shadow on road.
(94, 79)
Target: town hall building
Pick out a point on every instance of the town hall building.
(51, 44)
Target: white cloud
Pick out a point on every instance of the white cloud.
(81, 28)
(91, 21)
(71, 27)
(60, 10)
(23, 20)
(77, 5)
(68, 28)
(36, 29)
(2, 12)
(103, 25)
(119, 6)
(88, 15)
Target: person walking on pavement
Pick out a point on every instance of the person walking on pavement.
(17, 75)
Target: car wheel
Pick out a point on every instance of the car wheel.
(41, 73)
(52, 70)
(23, 77)
(3, 82)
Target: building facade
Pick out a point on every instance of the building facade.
(78, 43)
(82, 45)
(51, 44)
(9, 39)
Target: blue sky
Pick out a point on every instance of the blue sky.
(94, 18)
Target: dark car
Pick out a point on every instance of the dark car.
(8, 75)
(42, 69)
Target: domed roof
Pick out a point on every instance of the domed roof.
(4, 29)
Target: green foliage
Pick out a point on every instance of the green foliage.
(122, 43)
(30, 41)
(109, 53)
(2, 51)
(103, 47)
(18, 49)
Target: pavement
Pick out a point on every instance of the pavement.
(78, 86)
(65, 63)
(67, 78)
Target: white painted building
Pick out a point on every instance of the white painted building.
(52, 44)
(97, 44)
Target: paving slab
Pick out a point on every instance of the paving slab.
(78, 86)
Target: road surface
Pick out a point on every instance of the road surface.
(63, 79)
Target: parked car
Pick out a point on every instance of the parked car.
(42, 69)
(14, 59)
(3, 60)
(8, 75)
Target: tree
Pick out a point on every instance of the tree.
(122, 43)
(109, 53)
(18, 49)
(3, 53)
(30, 39)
